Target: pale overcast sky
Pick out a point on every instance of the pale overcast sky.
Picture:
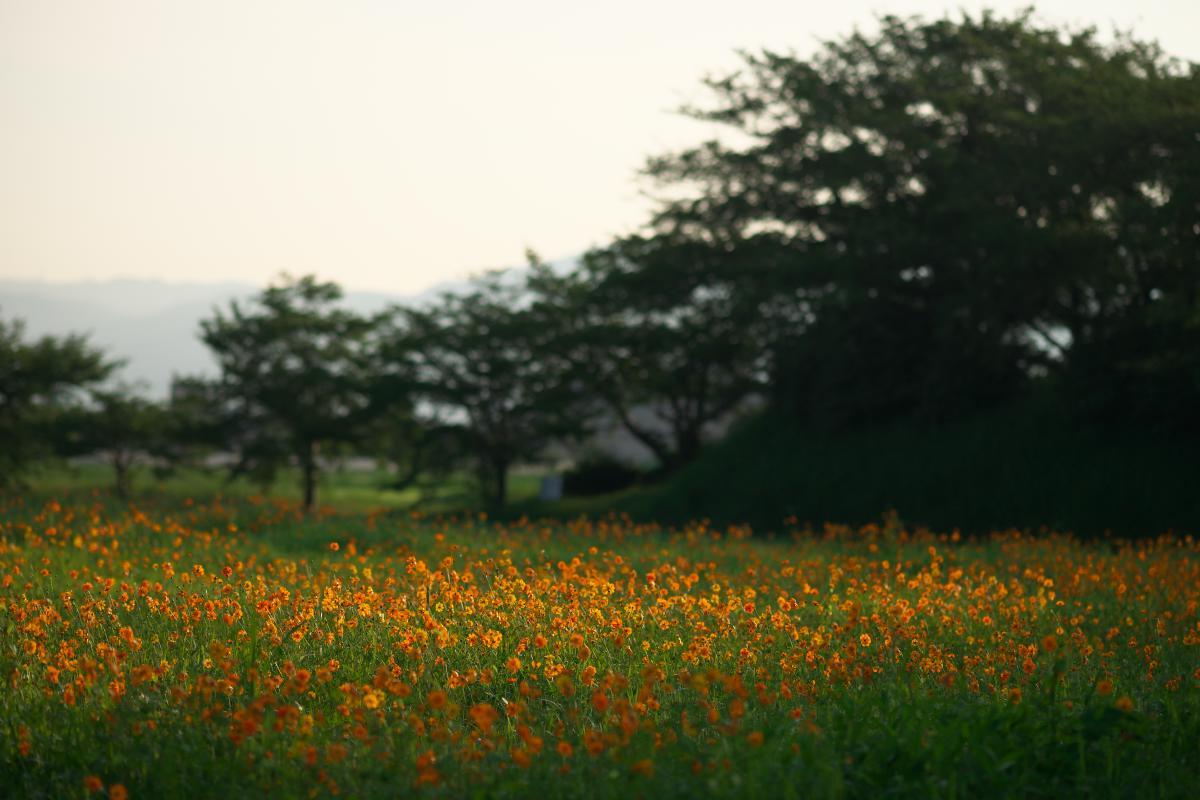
(386, 145)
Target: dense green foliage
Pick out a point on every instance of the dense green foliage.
(37, 380)
(944, 210)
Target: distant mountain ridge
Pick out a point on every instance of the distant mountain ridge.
(154, 325)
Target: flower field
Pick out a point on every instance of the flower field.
(244, 650)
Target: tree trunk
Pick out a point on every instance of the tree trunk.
(308, 465)
(687, 447)
(654, 444)
(121, 472)
(500, 483)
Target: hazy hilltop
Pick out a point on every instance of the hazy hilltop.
(153, 325)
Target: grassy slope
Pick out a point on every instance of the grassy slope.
(1023, 467)
(1019, 468)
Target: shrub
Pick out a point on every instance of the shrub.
(599, 474)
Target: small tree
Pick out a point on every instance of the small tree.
(198, 420)
(483, 356)
(294, 375)
(36, 379)
(118, 424)
(421, 451)
(655, 324)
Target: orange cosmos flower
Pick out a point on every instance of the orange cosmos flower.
(485, 716)
(593, 742)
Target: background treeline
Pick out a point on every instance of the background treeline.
(968, 249)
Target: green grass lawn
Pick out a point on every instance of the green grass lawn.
(342, 490)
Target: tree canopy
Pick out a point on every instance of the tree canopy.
(951, 208)
(484, 355)
(295, 374)
(36, 378)
(653, 324)
(121, 425)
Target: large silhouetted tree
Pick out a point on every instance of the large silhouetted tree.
(951, 207)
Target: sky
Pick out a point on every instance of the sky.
(389, 146)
